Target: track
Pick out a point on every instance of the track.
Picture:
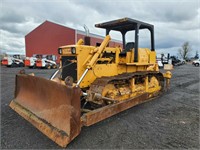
(99, 85)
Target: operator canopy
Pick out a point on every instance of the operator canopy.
(124, 25)
(127, 24)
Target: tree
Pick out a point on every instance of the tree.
(196, 55)
(185, 50)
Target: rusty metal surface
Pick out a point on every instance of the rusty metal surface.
(51, 107)
(55, 110)
(98, 85)
(109, 110)
(100, 114)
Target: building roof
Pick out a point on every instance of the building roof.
(96, 36)
(77, 31)
(48, 22)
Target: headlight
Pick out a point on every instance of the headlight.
(60, 51)
(73, 50)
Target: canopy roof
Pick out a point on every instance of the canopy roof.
(124, 24)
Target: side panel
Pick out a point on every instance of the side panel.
(152, 57)
(100, 70)
(69, 67)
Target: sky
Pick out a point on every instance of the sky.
(175, 21)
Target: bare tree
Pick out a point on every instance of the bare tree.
(185, 50)
(196, 55)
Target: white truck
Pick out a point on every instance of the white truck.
(13, 61)
(196, 62)
(30, 62)
(162, 59)
(47, 61)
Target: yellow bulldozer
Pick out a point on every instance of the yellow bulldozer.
(92, 83)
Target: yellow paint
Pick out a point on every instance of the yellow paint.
(153, 85)
(80, 42)
(167, 75)
(106, 61)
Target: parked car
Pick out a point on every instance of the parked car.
(12, 61)
(162, 59)
(182, 61)
(196, 62)
(177, 62)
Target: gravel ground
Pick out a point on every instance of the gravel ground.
(168, 122)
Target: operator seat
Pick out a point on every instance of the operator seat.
(128, 47)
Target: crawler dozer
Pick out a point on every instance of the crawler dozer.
(92, 83)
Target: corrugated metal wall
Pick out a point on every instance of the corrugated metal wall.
(95, 40)
(46, 38)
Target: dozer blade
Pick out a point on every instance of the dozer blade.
(52, 108)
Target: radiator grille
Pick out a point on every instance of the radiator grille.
(69, 67)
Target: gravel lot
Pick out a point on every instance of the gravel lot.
(168, 122)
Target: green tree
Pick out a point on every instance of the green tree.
(185, 50)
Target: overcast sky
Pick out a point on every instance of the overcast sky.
(175, 21)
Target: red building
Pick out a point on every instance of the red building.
(47, 37)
